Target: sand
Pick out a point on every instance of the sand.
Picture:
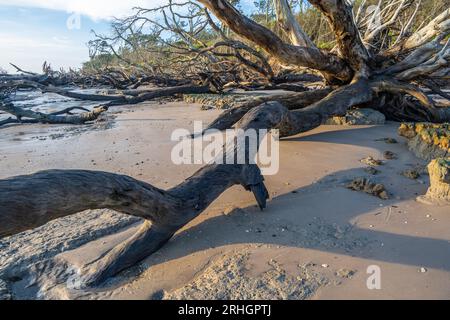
(316, 240)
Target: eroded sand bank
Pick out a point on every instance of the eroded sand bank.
(316, 240)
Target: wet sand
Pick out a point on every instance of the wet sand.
(316, 239)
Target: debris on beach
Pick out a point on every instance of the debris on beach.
(411, 174)
(371, 161)
(345, 273)
(359, 117)
(388, 140)
(372, 171)
(389, 155)
(369, 187)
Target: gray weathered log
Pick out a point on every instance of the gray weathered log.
(290, 100)
(31, 201)
(52, 118)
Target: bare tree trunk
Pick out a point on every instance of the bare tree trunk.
(286, 53)
(289, 24)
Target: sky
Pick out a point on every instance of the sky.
(57, 31)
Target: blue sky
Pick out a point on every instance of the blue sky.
(29, 36)
(33, 31)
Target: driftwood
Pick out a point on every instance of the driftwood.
(60, 117)
(31, 201)
(114, 77)
(126, 97)
(292, 101)
(360, 71)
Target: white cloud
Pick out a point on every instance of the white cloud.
(11, 42)
(96, 9)
(30, 52)
(30, 45)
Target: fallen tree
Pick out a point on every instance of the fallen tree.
(115, 77)
(361, 70)
(61, 117)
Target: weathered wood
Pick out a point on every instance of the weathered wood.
(269, 41)
(340, 18)
(127, 96)
(438, 26)
(160, 93)
(53, 118)
(292, 101)
(290, 25)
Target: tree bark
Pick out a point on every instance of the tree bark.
(290, 25)
(351, 47)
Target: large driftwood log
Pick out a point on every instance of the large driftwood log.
(31, 201)
(61, 117)
(292, 101)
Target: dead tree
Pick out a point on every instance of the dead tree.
(193, 45)
(393, 75)
(61, 117)
(361, 71)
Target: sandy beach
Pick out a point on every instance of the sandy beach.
(316, 239)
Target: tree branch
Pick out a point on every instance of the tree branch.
(331, 65)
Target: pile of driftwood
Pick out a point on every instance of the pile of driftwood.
(127, 93)
(364, 69)
(57, 83)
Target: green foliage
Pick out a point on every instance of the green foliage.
(99, 62)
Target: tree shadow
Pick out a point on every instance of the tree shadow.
(347, 136)
(327, 226)
(323, 216)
